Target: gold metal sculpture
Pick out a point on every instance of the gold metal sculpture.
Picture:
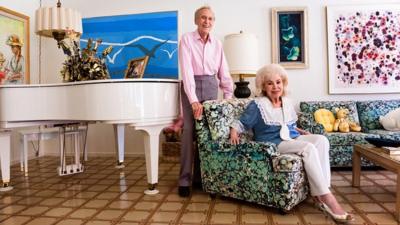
(86, 64)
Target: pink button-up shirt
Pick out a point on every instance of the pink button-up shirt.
(197, 58)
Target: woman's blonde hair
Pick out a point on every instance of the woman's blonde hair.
(265, 73)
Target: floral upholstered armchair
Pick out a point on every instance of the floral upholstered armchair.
(250, 171)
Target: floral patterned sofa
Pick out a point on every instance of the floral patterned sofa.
(366, 113)
(250, 171)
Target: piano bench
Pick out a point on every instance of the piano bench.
(46, 134)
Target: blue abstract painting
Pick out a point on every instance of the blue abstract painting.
(133, 36)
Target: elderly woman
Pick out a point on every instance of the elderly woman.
(272, 118)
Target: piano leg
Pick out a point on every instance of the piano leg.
(151, 148)
(5, 140)
(62, 169)
(119, 132)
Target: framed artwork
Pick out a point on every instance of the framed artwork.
(134, 36)
(14, 47)
(136, 67)
(290, 37)
(363, 48)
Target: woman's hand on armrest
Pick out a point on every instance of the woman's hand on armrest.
(302, 132)
(234, 136)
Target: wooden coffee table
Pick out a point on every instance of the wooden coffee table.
(377, 156)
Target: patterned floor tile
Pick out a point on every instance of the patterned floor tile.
(223, 218)
(106, 195)
(70, 222)
(109, 214)
(14, 220)
(138, 216)
(286, 219)
(165, 217)
(254, 218)
(194, 217)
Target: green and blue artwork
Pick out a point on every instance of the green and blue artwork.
(290, 38)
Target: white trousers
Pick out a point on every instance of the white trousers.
(314, 149)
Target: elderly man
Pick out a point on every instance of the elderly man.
(204, 67)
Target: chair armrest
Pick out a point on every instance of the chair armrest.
(245, 147)
(280, 162)
(307, 122)
(287, 163)
(249, 147)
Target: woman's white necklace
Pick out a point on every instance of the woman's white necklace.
(284, 133)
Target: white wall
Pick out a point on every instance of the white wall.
(251, 16)
(27, 8)
(231, 16)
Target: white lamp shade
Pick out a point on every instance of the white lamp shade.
(57, 19)
(241, 51)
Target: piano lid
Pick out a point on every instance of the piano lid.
(123, 100)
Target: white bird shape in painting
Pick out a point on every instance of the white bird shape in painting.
(130, 43)
(170, 54)
(111, 60)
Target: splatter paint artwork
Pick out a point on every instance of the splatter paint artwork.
(364, 49)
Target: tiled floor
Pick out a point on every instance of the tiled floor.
(106, 195)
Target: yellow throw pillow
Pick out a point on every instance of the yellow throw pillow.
(326, 118)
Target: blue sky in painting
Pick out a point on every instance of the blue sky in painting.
(134, 36)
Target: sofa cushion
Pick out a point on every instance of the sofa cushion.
(306, 121)
(369, 112)
(312, 106)
(220, 114)
(351, 138)
(341, 156)
(386, 134)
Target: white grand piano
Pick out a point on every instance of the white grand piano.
(145, 104)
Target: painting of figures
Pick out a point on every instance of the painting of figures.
(364, 48)
(151, 35)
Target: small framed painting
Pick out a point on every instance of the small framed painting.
(289, 37)
(14, 47)
(363, 48)
(136, 67)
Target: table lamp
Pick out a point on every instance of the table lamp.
(241, 51)
(55, 22)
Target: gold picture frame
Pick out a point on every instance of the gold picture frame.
(14, 47)
(290, 37)
(136, 67)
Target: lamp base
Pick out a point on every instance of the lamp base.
(242, 91)
(59, 36)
